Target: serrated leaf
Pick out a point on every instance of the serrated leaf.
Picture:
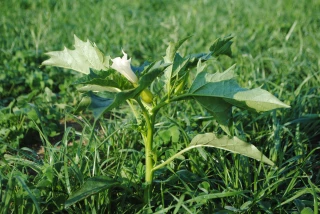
(222, 46)
(85, 56)
(90, 187)
(234, 145)
(224, 86)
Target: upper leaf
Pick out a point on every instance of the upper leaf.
(85, 56)
(223, 85)
(222, 46)
(172, 50)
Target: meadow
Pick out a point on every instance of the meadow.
(47, 151)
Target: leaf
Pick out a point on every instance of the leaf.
(179, 65)
(234, 145)
(256, 99)
(170, 134)
(98, 88)
(85, 56)
(222, 46)
(100, 105)
(195, 58)
(172, 50)
(94, 103)
(138, 69)
(30, 194)
(307, 210)
(83, 105)
(99, 84)
(224, 86)
(90, 187)
(206, 197)
(220, 109)
(178, 62)
(296, 195)
(199, 56)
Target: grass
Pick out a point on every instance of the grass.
(276, 46)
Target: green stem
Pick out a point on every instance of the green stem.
(167, 101)
(148, 140)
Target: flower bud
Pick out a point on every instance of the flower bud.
(146, 96)
(179, 88)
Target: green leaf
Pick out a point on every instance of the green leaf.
(179, 65)
(98, 88)
(30, 193)
(90, 187)
(234, 145)
(170, 134)
(172, 50)
(100, 105)
(199, 56)
(195, 58)
(138, 69)
(220, 109)
(224, 86)
(307, 210)
(94, 103)
(222, 46)
(178, 62)
(98, 85)
(206, 197)
(83, 105)
(85, 56)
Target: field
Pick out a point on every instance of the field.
(48, 151)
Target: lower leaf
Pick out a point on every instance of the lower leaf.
(233, 144)
(90, 187)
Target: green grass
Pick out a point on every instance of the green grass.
(276, 46)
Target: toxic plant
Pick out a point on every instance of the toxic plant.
(110, 82)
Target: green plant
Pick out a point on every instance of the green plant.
(152, 87)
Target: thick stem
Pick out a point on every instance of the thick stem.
(149, 162)
(148, 140)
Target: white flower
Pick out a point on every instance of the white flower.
(123, 66)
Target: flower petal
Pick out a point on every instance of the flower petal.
(123, 66)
